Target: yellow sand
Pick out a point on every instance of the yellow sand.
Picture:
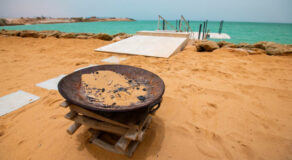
(219, 105)
(111, 88)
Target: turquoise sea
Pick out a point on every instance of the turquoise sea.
(239, 31)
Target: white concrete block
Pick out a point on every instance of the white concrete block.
(113, 59)
(15, 100)
(157, 46)
(51, 84)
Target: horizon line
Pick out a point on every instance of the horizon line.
(155, 19)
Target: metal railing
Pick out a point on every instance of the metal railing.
(187, 27)
(164, 23)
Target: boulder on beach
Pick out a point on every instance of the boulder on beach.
(121, 36)
(205, 45)
(190, 48)
(244, 45)
(29, 33)
(84, 35)
(260, 45)
(117, 38)
(68, 35)
(10, 32)
(269, 48)
(49, 33)
(224, 44)
(103, 36)
(273, 48)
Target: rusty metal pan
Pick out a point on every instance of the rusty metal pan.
(71, 89)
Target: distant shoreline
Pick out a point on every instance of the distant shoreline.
(46, 20)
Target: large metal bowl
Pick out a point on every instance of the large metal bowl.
(70, 88)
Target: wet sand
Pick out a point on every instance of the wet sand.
(218, 105)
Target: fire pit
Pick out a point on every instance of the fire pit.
(128, 122)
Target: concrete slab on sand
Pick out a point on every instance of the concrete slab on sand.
(156, 46)
(51, 84)
(113, 59)
(15, 100)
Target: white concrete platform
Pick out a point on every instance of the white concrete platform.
(91, 65)
(156, 46)
(15, 100)
(51, 84)
(113, 59)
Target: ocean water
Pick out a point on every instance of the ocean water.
(239, 31)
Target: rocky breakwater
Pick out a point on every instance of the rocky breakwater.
(269, 48)
(58, 34)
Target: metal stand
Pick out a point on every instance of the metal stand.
(106, 133)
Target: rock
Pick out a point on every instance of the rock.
(260, 45)
(122, 35)
(274, 48)
(223, 43)
(126, 36)
(119, 34)
(255, 51)
(103, 36)
(82, 37)
(28, 33)
(117, 38)
(50, 33)
(288, 51)
(191, 46)
(42, 35)
(230, 45)
(68, 35)
(83, 34)
(244, 45)
(206, 46)
(11, 33)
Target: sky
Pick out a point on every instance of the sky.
(213, 10)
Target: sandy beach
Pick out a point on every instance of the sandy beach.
(217, 105)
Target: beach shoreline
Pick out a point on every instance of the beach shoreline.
(224, 104)
(259, 32)
(45, 20)
(265, 47)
